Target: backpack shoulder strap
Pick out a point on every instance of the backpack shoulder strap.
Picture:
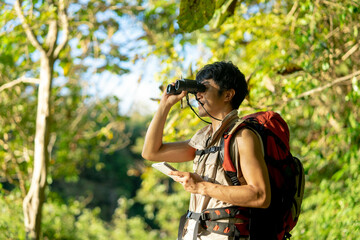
(226, 160)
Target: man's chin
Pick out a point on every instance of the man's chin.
(202, 113)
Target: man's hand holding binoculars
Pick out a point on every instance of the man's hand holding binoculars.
(170, 99)
(191, 86)
(176, 91)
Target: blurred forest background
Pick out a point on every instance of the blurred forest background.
(70, 154)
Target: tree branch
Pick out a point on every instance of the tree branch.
(51, 37)
(65, 26)
(19, 80)
(350, 52)
(29, 33)
(14, 161)
(319, 89)
(332, 4)
(293, 9)
(128, 8)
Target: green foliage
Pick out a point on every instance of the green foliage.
(83, 130)
(195, 14)
(130, 228)
(164, 200)
(111, 174)
(11, 217)
(73, 221)
(303, 59)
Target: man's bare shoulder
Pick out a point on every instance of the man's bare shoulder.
(245, 133)
(246, 138)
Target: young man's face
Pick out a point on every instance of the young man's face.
(210, 99)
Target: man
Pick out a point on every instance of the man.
(226, 88)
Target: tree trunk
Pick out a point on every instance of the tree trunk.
(34, 200)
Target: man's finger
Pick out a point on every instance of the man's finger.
(176, 173)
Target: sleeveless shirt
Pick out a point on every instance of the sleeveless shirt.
(209, 168)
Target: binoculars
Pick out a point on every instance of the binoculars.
(191, 86)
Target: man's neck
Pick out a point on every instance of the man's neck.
(215, 123)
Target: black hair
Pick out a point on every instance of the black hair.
(227, 76)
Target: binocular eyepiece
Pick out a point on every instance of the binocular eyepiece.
(188, 85)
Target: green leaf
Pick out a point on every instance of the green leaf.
(195, 14)
(224, 12)
(355, 84)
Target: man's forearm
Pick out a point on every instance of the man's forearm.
(154, 134)
(244, 196)
(154, 149)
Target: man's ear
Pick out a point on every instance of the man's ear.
(229, 94)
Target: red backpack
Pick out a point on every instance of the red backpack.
(287, 179)
(286, 174)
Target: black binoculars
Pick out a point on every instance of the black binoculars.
(191, 86)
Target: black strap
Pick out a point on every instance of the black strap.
(223, 213)
(212, 149)
(192, 109)
(233, 177)
(287, 235)
(198, 217)
(181, 226)
(207, 219)
(221, 228)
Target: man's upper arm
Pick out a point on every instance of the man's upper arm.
(174, 152)
(252, 161)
